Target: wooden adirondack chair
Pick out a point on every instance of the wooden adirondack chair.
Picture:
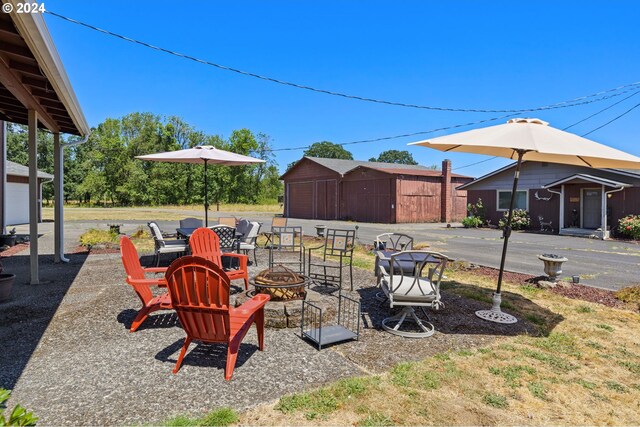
(141, 284)
(199, 290)
(205, 243)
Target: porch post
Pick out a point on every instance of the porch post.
(58, 195)
(3, 176)
(603, 214)
(33, 195)
(561, 221)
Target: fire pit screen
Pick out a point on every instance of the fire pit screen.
(281, 284)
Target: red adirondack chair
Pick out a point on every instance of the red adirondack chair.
(141, 284)
(199, 290)
(205, 243)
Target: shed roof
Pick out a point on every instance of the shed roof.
(342, 167)
(17, 169)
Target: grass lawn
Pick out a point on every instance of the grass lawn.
(159, 213)
(582, 368)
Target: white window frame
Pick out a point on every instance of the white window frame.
(526, 191)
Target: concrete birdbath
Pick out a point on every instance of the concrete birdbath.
(552, 265)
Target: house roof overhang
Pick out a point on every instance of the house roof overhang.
(32, 76)
(584, 178)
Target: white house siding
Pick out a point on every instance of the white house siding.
(17, 200)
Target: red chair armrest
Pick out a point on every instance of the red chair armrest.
(252, 305)
(159, 281)
(244, 260)
(155, 269)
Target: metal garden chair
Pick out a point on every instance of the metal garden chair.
(287, 248)
(163, 246)
(337, 249)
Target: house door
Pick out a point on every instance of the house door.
(591, 208)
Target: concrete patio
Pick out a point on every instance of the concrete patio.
(70, 358)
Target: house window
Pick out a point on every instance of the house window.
(521, 202)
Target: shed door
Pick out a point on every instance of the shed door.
(326, 200)
(17, 197)
(591, 208)
(300, 200)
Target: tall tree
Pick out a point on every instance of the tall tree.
(395, 156)
(328, 150)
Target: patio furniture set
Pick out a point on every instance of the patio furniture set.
(199, 283)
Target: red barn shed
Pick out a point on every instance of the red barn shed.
(318, 188)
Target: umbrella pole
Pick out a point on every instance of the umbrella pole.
(496, 314)
(206, 199)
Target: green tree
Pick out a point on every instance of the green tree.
(328, 150)
(395, 156)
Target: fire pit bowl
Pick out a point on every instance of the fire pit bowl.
(281, 283)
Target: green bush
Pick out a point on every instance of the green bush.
(472, 222)
(18, 417)
(477, 211)
(630, 226)
(519, 221)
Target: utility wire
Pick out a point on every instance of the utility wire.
(601, 111)
(386, 138)
(563, 104)
(613, 120)
(476, 163)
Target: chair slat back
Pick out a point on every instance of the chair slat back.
(199, 291)
(228, 221)
(191, 223)
(287, 238)
(278, 221)
(156, 233)
(394, 241)
(252, 233)
(401, 275)
(205, 243)
(339, 242)
(226, 236)
(132, 267)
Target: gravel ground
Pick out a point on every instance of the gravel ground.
(69, 357)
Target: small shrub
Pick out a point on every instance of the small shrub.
(519, 221)
(629, 294)
(477, 210)
(472, 222)
(605, 327)
(585, 309)
(495, 400)
(630, 226)
(18, 416)
(94, 237)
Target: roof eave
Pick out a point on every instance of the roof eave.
(33, 29)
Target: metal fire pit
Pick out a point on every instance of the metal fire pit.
(281, 283)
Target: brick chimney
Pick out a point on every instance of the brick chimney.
(446, 194)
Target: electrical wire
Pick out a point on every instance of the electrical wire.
(601, 111)
(583, 100)
(473, 164)
(613, 120)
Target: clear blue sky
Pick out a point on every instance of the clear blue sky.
(467, 54)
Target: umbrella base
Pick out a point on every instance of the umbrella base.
(496, 315)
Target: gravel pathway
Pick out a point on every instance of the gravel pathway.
(69, 357)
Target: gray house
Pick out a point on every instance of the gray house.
(571, 200)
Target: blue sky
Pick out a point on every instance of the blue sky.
(464, 54)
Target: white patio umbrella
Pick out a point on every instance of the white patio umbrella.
(203, 154)
(535, 140)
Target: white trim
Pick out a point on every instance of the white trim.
(35, 33)
(588, 178)
(509, 191)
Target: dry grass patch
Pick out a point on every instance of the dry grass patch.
(157, 213)
(583, 367)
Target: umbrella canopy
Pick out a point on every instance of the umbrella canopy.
(540, 142)
(203, 154)
(533, 140)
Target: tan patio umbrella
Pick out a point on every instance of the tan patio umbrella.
(535, 140)
(203, 154)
